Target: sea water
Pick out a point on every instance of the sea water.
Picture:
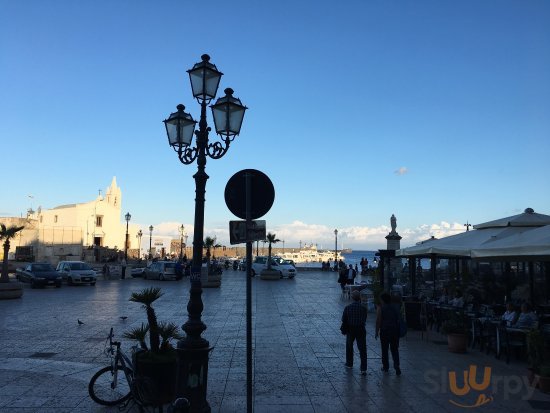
(356, 256)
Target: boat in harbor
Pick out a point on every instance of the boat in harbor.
(310, 253)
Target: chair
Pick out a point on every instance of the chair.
(511, 342)
(483, 309)
(424, 320)
(491, 338)
(479, 334)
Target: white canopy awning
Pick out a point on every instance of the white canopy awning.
(534, 242)
(507, 236)
(459, 245)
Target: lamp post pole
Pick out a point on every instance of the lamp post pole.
(123, 275)
(228, 114)
(139, 235)
(335, 249)
(150, 242)
(182, 231)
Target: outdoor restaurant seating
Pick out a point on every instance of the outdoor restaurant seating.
(512, 340)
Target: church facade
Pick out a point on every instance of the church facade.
(76, 231)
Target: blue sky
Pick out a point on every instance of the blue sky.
(435, 111)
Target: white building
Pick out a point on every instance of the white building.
(77, 230)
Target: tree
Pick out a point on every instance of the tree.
(210, 243)
(272, 239)
(7, 233)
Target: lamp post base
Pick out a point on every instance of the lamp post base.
(192, 376)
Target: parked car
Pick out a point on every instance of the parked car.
(160, 270)
(138, 272)
(242, 265)
(284, 267)
(39, 274)
(77, 272)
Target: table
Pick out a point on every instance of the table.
(348, 288)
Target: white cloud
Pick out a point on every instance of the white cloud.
(356, 237)
(401, 171)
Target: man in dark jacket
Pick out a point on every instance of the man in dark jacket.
(355, 317)
(387, 327)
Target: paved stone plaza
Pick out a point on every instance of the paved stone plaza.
(47, 358)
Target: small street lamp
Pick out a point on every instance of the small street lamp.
(182, 233)
(228, 114)
(138, 236)
(127, 217)
(150, 242)
(335, 249)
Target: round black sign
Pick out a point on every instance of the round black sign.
(262, 193)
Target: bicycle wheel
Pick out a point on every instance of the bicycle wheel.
(101, 387)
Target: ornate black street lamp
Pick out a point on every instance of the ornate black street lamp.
(228, 113)
(150, 241)
(138, 236)
(335, 249)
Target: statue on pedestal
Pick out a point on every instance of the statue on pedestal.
(393, 222)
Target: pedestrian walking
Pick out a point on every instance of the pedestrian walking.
(353, 326)
(351, 274)
(387, 327)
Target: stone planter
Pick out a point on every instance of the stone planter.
(156, 377)
(212, 281)
(270, 275)
(531, 377)
(12, 289)
(543, 383)
(458, 343)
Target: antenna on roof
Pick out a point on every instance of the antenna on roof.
(467, 225)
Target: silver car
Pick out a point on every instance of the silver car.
(76, 272)
(160, 270)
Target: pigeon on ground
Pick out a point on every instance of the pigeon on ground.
(79, 322)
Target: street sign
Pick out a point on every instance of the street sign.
(262, 193)
(239, 233)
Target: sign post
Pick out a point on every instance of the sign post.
(256, 190)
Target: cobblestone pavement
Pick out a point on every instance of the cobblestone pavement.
(47, 358)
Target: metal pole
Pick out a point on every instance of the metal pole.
(335, 249)
(150, 242)
(248, 300)
(126, 243)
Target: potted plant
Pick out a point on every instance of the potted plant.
(543, 378)
(535, 353)
(154, 364)
(8, 289)
(214, 273)
(456, 327)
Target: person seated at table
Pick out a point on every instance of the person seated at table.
(444, 297)
(510, 315)
(458, 301)
(527, 318)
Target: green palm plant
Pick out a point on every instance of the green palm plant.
(6, 234)
(210, 244)
(156, 330)
(272, 239)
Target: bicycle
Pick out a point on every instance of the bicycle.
(105, 387)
